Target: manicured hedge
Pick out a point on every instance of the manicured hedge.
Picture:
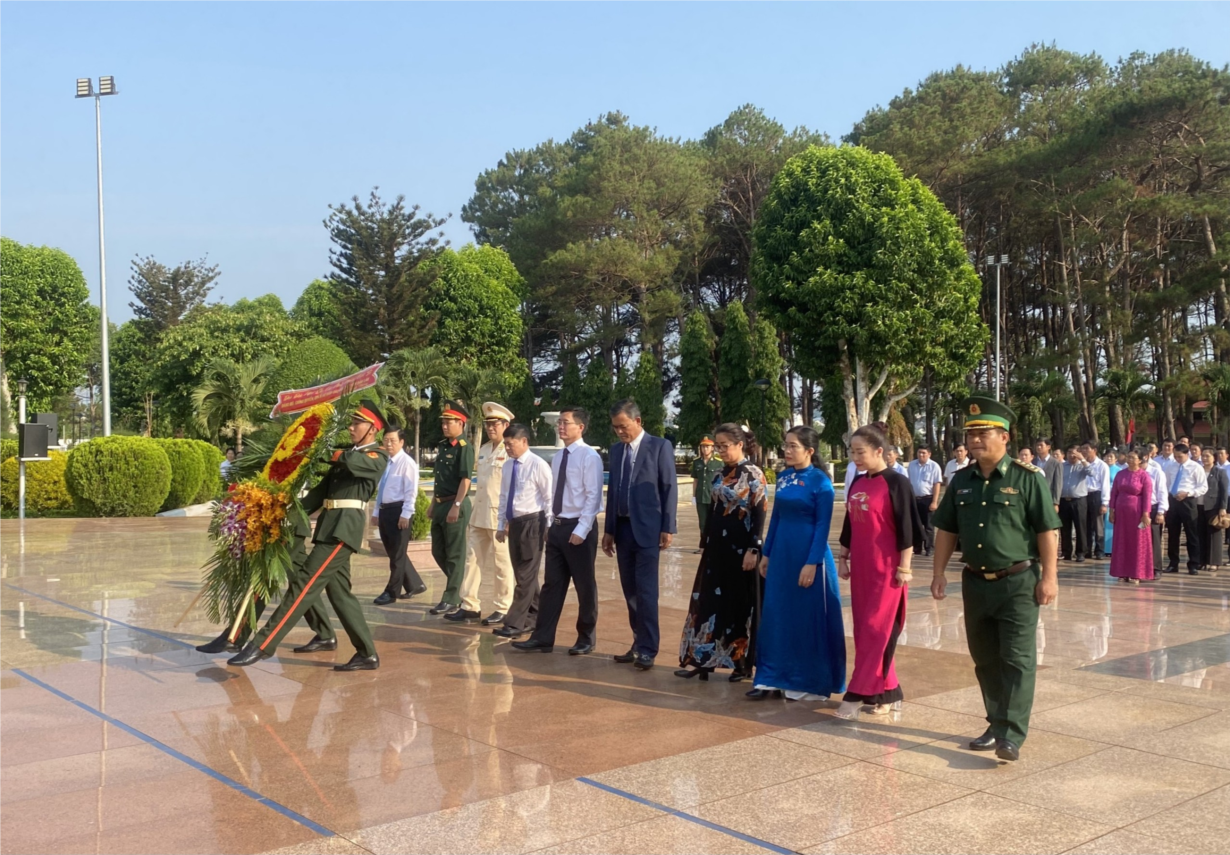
(45, 487)
(420, 523)
(8, 448)
(118, 476)
(211, 482)
(187, 472)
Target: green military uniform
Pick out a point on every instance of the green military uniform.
(998, 520)
(454, 465)
(353, 477)
(703, 473)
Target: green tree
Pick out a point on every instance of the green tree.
(647, 392)
(597, 397)
(164, 295)
(734, 366)
(523, 401)
(570, 389)
(132, 383)
(473, 303)
(866, 269)
(317, 311)
(697, 380)
(407, 380)
(305, 364)
(378, 254)
(230, 400)
(45, 332)
(767, 363)
(240, 333)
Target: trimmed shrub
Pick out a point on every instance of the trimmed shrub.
(118, 476)
(305, 363)
(187, 472)
(45, 487)
(211, 480)
(8, 448)
(420, 523)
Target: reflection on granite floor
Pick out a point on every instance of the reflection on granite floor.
(115, 735)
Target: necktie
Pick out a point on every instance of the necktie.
(557, 504)
(1174, 487)
(512, 490)
(625, 481)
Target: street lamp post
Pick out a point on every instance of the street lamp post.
(763, 385)
(1002, 262)
(85, 89)
(21, 461)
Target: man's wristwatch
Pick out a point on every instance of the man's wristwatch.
(456, 504)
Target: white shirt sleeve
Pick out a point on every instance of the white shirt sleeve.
(411, 476)
(591, 479)
(505, 482)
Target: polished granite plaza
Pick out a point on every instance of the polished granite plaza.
(116, 736)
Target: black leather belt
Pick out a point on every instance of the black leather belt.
(992, 575)
(566, 521)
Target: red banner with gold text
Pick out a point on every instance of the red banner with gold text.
(298, 400)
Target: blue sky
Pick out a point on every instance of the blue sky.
(237, 124)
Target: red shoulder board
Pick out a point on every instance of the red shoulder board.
(337, 455)
(372, 454)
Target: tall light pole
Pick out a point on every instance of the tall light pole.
(85, 89)
(21, 461)
(1002, 262)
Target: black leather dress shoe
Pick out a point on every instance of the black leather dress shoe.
(462, 616)
(248, 656)
(218, 645)
(385, 599)
(442, 608)
(626, 658)
(643, 663)
(420, 589)
(1171, 570)
(507, 632)
(493, 619)
(1006, 749)
(1192, 571)
(986, 742)
(317, 644)
(579, 649)
(761, 694)
(533, 644)
(359, 663)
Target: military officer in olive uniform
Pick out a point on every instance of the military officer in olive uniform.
(450, 506)
(1004, 514)
(343, 493)
(705, 468)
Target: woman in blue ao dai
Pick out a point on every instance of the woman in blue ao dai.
(801, 643)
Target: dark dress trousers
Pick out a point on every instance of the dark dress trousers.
(640, 507)
(402, 575)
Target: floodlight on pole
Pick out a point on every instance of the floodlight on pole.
(85, 89)
(992, 262)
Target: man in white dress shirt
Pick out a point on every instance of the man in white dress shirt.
(1161, 504)
(892, 457)
(524, 514)
(1191, 482)
(485, 552)
(925, 478)
(394, 508)
(572, 539)
(1097, 499)
(960, 459)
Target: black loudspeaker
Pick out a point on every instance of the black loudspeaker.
(32, 440)
(53, 426)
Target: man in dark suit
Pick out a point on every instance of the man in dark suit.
(640, 522)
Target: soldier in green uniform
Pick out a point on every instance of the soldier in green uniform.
(450, 506)
(343, 493)
(316, 617)
(705, 468)
(1003, 512)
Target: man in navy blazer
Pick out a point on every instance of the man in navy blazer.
(640, 521)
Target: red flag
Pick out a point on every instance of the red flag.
(298, 400)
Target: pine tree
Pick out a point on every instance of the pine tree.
(596, 397)
(734, 366)
(647, 392)
(570, 385)
(767, 363)
(697, 416)
(164, 295)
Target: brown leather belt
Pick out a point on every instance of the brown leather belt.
(991, 576)
(440, 500)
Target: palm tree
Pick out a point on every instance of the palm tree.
(408, 376)
(472, 386)
(228, 400)
(1127, 392)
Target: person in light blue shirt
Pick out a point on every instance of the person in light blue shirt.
(925, 479)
